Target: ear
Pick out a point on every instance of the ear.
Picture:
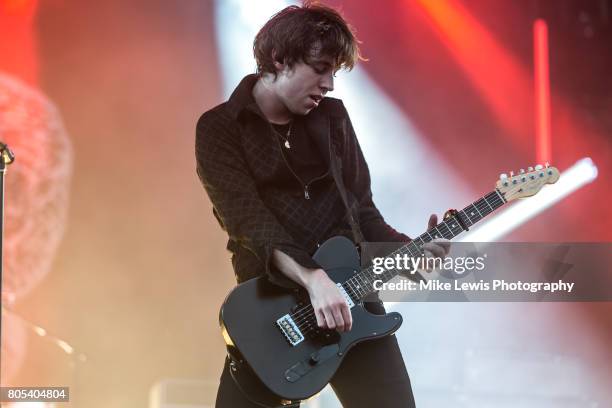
(279, 64)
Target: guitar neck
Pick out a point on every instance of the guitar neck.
(361, 284)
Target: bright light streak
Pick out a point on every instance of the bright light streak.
(410, 179)
(496, 73)
(542, 91)
(236, 23)
(580, 174)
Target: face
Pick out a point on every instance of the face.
(301, 87)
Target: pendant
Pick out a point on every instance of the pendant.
(287, 145)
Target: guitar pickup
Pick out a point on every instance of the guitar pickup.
(347, 297)
(288, 327)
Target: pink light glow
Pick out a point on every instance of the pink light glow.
(542, 91)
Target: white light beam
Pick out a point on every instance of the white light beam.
(580, 174)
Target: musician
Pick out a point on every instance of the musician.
(265, 158)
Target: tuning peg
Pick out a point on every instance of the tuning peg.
(503, 176)
(539, 167)
(530, 169)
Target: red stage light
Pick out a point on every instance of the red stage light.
(542, 91)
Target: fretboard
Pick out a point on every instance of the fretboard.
(361, 284)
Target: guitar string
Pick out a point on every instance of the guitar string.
(481, 205)
(305, 314)
(308, 324)
(307, 321)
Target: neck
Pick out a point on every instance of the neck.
(361, 284)
(268, 101)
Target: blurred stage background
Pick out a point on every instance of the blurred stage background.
(111, 244)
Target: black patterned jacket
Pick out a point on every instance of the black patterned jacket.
(258, 200)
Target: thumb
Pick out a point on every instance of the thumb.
(433, 221)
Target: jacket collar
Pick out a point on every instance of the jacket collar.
(242, 97)
(317, 123)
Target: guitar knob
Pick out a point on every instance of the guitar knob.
(539, 167)
(530, 168)
(511, 173)
(503, 176)
(522, 171)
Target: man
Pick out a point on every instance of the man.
(265, 158)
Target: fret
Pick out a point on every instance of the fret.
(482, 208)
(348, 287)
(455, 227)
(365, 278)
(437, 233)
(450, 234)
(412, 249)
(371, 275)
(476, 208)
(470, 215)
(485, 200)
(362, 282)
(464, 218)
(355, 289)
(501, 198)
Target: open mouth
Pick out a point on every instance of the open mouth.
(316, 98)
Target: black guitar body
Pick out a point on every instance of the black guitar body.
(249, 317)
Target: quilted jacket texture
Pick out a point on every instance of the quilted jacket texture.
(258, 200)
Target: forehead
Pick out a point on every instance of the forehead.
(315, 57)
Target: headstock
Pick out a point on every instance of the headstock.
(526, 183)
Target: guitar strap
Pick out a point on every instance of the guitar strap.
(336, 170)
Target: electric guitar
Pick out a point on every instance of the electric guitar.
(272, 334)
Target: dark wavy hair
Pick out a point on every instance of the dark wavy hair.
(295, 33)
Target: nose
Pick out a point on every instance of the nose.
(327, 83)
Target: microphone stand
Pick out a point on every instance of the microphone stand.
(6, 158)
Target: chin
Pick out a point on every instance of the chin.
(301, 112)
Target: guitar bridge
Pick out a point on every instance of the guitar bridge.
(288, 327)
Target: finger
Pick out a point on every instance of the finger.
(444, 243)
(433, 221)
(348, 318)
(329, 319)
(435, 250)
(320, 318)
(339, 319)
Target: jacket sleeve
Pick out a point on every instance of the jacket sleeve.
(357, 179)
(225, 176)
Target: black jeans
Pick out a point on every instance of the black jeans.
(373, 374)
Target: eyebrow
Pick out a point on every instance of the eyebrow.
(321, 62)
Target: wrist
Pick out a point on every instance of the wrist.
(312, 277)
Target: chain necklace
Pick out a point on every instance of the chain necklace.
(285, 137)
